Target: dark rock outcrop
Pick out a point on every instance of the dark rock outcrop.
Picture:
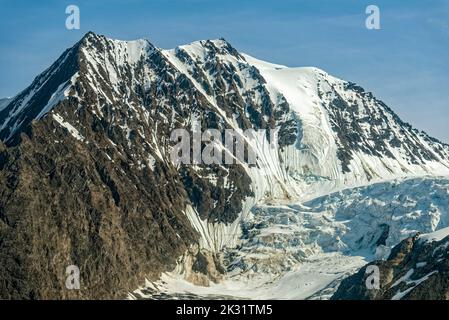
(415, 270)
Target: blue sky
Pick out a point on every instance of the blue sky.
(405, 64)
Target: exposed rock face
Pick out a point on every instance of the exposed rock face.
(90, 182)
(66, 203)
(102, 205)
(86, 177)
(416, 269)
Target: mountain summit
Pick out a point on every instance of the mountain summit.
(86, 177)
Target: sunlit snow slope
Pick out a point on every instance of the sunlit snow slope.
(347, 136)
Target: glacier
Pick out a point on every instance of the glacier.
(302, 250)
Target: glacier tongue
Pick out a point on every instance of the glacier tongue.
(303, 250)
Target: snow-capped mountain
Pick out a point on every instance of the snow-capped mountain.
(88, 145)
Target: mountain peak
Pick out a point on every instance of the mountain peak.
(90, 34)
(97, 150)
(131, 48)
(208, 48)
(112, 68)
(94, 58)
(90, 37)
